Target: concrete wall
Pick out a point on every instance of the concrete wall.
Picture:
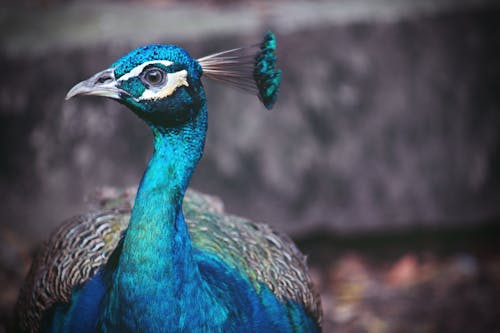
(388, 117)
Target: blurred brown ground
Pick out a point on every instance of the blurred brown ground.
(417, 282)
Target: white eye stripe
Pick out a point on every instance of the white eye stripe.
(138, 69)
(174, 81)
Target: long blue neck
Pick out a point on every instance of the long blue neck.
(156, 267)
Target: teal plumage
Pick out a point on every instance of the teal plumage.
(165, 265)
(266, 74)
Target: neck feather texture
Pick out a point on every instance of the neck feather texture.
(157, 281)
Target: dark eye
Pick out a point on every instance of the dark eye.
(154, 76)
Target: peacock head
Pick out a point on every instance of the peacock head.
(162, 83)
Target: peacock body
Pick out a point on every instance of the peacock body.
(175, 261)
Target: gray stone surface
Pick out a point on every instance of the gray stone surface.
(388, 117)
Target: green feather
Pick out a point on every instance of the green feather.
(266, 75)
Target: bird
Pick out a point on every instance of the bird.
(170, 259)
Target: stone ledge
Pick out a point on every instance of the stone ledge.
(379, 126)
(34, 31)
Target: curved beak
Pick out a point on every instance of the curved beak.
(101, 84)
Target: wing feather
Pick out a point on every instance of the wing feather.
(83, 244)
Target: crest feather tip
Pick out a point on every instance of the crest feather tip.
(266, 75)
(251, 69)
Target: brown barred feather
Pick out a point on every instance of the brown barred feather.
(83, 244)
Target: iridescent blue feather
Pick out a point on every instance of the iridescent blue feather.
(165, 268)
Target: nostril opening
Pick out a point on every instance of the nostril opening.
(104, 79)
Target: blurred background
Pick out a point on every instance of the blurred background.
(381, 158)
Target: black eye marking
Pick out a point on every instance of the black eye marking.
(154, 76)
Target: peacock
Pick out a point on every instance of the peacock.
(174, 262)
